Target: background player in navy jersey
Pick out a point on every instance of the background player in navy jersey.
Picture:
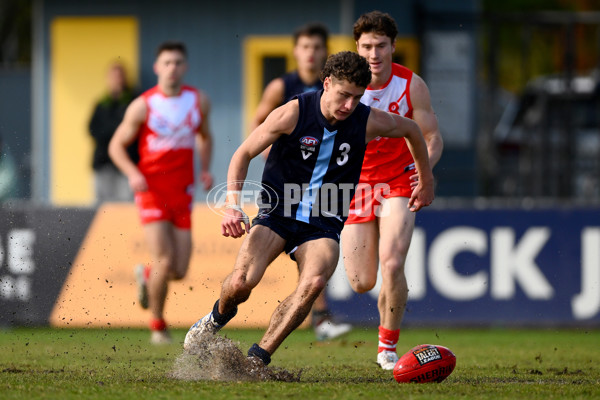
(319, 140)
(310, 53)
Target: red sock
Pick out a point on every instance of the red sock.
(158, 324)
(387, 339)
(146, 272)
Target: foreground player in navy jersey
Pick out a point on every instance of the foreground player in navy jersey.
(319, 141)
(310, 53)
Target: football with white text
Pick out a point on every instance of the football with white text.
(425, 363)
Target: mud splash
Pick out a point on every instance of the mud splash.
(215, 358)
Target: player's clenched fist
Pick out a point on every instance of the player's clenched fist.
(231, 225)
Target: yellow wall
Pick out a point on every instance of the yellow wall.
(256, 48)
(81, 50)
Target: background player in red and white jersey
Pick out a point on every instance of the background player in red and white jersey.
(310, 53)
(170, 121)
(380, 224)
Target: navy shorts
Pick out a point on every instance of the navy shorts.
(292, 231)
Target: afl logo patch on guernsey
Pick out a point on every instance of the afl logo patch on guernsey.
(308, 145)
(309, 141)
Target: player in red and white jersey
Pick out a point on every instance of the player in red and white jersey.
(380, 224)
(385, 155)
(170, 121)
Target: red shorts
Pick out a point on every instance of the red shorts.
(162, 203)
(366, 203)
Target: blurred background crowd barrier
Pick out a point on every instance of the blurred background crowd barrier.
(504, 267)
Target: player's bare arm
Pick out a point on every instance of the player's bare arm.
(424, 116)
(125, 135)
(273, 97)
(385, 124)
(204, 142)
(281, 121)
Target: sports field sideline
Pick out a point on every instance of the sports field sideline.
(120, 364)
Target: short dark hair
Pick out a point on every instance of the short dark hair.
(376, 22)
(171, 45)
(348, 66)
(312, 29)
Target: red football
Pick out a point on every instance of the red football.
(425, 363)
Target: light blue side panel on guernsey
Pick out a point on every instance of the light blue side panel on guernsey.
(316, 181)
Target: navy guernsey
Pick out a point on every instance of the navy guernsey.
(312, 173)
(293, 86)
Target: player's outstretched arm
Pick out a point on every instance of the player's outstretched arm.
(126, 133)
(281, 121)
(385, 124)
(424, 116)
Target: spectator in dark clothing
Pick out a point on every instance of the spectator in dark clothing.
(110, 184)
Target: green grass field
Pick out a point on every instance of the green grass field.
(120, 364)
